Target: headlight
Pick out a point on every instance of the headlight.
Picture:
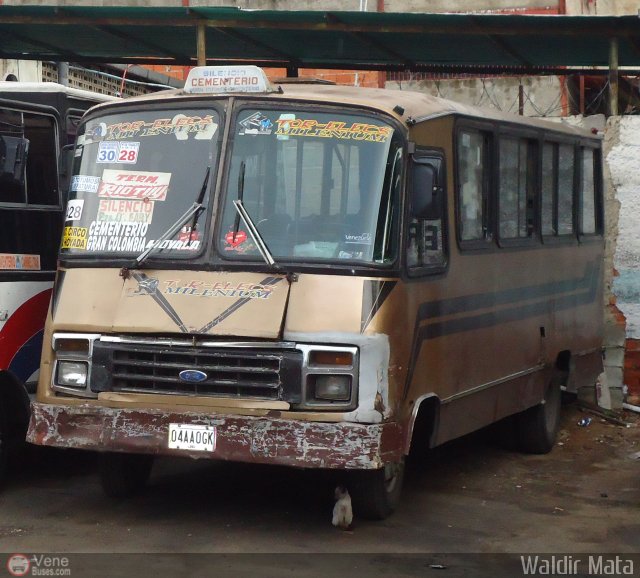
(72, 374)
(72, 369)
(333, 387)
(329, 377)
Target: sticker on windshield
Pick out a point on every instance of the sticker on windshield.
(128, 152)
(116, 237)
(134, 185)
(107, 152)
(74, 209)
(359, 239)
(333, 129)
(84, 184)
(235, 239)
(74, 238)
(189, 235)
(203, 127)
(286, 126)
(257, 123)
(125, 211)
(118, 152)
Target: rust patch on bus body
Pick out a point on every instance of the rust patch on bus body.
(239, 438)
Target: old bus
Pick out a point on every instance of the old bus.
(36, 121)
(317, 276)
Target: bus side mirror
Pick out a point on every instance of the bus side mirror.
(66, 164)
(426, 194)
(13, 158)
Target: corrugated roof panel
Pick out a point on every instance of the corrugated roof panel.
(314, 38)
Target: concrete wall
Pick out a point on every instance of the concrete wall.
(370, 5)
(465, 5)
(542, 94)
(623, 160)
(23, 70)
(602, 7)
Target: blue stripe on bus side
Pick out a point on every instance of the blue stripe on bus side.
(583, 291)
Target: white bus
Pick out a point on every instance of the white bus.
(36, 121)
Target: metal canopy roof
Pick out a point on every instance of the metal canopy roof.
(310, 39)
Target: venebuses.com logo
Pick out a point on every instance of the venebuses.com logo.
(38, 565)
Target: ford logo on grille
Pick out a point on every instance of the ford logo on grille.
(192, 375)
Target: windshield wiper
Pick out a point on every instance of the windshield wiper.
(192, 212)
(255, 235)
(248, 221)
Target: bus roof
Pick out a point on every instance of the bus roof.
(417, 105)
(52, 87)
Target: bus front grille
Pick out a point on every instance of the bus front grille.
(224, 372)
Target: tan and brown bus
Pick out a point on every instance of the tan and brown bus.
(317, 276)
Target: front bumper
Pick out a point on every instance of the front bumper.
(268, 440)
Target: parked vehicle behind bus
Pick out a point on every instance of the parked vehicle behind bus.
(319, 277)
(36, 121)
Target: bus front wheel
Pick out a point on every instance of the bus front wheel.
(4, 444)
(538, 426)
(123, 475)
(376, 493)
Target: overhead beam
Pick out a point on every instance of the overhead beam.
(140, 42)
(513, 29)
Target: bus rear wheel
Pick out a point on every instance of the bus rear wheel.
(375, 494)
(123, 475)
(538, 426)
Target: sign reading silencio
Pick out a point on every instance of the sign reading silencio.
(225, 79)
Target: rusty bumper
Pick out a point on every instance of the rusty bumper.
(239, 438)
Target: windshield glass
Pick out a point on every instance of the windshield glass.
(317, 185)
(134, 175)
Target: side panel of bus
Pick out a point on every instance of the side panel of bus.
(483, 335)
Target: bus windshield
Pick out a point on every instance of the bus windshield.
(134, 174)
(318, 185)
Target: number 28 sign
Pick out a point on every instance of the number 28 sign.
(118, 152)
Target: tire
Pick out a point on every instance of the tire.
(538, 426)
(375, 494)
(124, 475)
(4, 446)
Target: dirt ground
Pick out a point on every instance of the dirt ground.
(469, 496)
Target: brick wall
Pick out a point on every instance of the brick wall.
(632, 370)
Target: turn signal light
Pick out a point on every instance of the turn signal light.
(333, 358)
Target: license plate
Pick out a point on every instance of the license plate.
(199, 438)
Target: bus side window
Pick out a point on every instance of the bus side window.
(40, 185)
(558, 161)
(426, 239)
(588, 193)
(516, 188)
(472, 155)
